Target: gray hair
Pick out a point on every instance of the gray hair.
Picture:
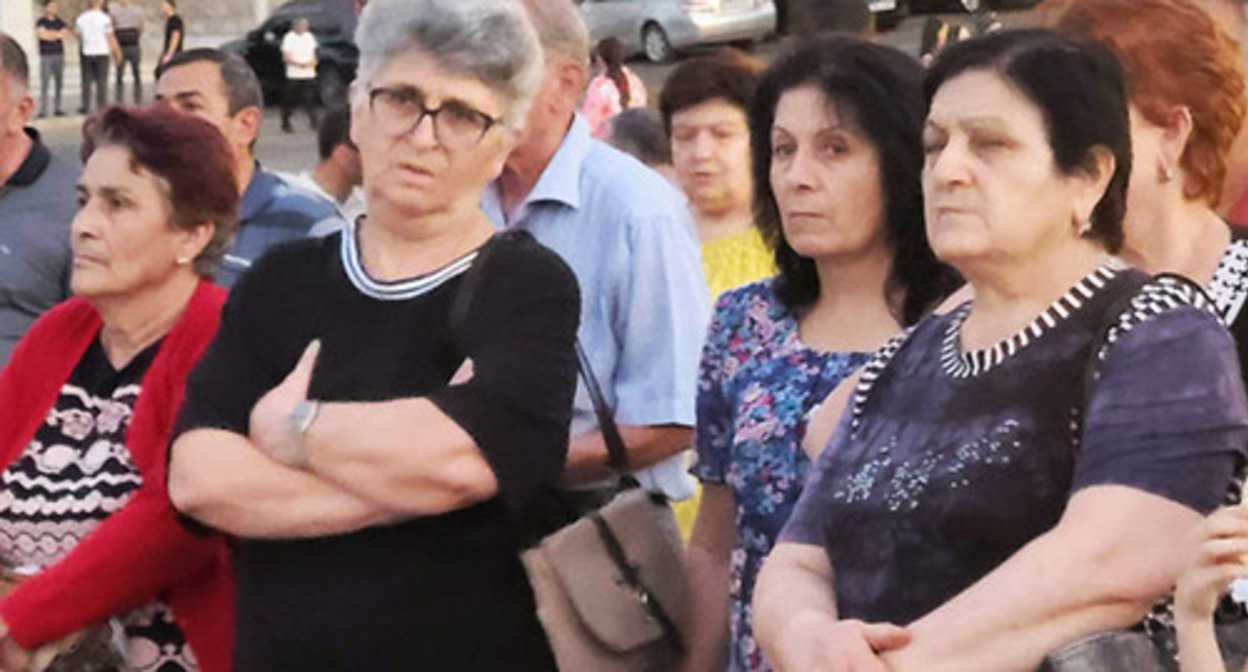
(13, 64)
(560, 27)
(489, 40)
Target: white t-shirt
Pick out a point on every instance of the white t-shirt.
(93, 27)
(300, 49)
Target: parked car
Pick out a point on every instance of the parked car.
(333, 24)
(660, 28)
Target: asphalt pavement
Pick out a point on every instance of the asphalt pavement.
(297, 151)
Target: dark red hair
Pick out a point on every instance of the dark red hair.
(1174, 54)
(190, 156)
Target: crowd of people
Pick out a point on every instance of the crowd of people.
(939, 362)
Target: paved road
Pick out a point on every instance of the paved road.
(293, 152)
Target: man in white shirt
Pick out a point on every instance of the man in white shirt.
(95, 30)
(299, 55)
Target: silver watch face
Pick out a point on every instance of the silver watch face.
(302, 415)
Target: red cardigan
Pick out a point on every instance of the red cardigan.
(141, 551)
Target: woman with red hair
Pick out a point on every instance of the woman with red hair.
(87, 408)
(1185, 77)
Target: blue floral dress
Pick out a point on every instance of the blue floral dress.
(756, 385)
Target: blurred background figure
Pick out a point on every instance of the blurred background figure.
(338, 175)
(705, 103)
(175, 33)
(97, 42)
(613, 89)
(128, 25)
(640, 132)
(807, 18)
(299, 54)
(52, 33)
(90, 399)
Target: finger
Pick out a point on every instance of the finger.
(1223, 550)
(885, 636)
(301, 376)
(1226, 522)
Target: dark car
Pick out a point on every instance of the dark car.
(333, 24)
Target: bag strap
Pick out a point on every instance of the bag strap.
(631, 579)
(617, 454)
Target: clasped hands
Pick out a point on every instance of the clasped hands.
(818, 642)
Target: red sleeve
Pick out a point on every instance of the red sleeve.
(135, 555)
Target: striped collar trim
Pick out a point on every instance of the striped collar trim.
(401, 290)
(960, 364)
(1229, 288)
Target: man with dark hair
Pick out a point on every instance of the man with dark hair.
(221, 88)
(37, 206)
(175, 33)
(51, 31)
(338, 176)
(96, 43)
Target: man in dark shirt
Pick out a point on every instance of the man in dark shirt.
(37, 206)
(51, 31)
(175, 33)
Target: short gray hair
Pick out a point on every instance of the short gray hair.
(560, 27)
(490, 40)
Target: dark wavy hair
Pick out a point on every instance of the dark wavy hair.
(881, 89)
(1078, 86)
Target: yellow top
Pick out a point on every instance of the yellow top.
(736, 260)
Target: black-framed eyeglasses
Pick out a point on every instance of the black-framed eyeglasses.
(400, 110)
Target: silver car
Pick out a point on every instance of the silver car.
(660, 28)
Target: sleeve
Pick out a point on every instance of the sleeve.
(1168, 414)
(662, 318)
(714, 431)
(234, 373)
(520, 333)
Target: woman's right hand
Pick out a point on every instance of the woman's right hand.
(818, 642)
(1221, 558)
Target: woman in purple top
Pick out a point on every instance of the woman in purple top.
(835, 126)
(983, 490)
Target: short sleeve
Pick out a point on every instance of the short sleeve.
(232, 375)
(520, 333)
(663, 318)
(714, 431)
(1168, 413)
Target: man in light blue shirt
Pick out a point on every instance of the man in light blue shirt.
(628, 236)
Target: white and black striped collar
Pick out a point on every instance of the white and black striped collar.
(1229, 288)
(960, 364)
(401, 290)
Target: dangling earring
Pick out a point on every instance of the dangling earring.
(1167, 174)
(1082, 225)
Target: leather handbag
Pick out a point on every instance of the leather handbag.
(610, 587)
(93, 649)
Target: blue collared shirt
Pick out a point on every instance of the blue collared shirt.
(628, 235)
(273, 211)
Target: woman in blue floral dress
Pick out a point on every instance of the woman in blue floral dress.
(830, 120)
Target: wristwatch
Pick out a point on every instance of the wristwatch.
(301, 418)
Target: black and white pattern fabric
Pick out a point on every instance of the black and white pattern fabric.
(1229, 288)
(74, 474)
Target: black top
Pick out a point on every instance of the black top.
(174, 24)
(51, 47)
(437, 593)
(949, 461)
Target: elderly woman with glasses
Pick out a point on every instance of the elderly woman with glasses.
(380, 403)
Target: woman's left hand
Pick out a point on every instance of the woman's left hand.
(271, 430)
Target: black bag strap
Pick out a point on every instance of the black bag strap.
(631, 578)
(617, 453)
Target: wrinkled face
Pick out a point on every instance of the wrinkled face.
(990, 184)
(711, 154)
(414, 168)
(15, 109)
(197, 89)
(122, 241)
(825, 175)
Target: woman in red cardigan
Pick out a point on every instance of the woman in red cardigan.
(88, 402)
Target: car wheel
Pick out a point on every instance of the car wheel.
(655, 45)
